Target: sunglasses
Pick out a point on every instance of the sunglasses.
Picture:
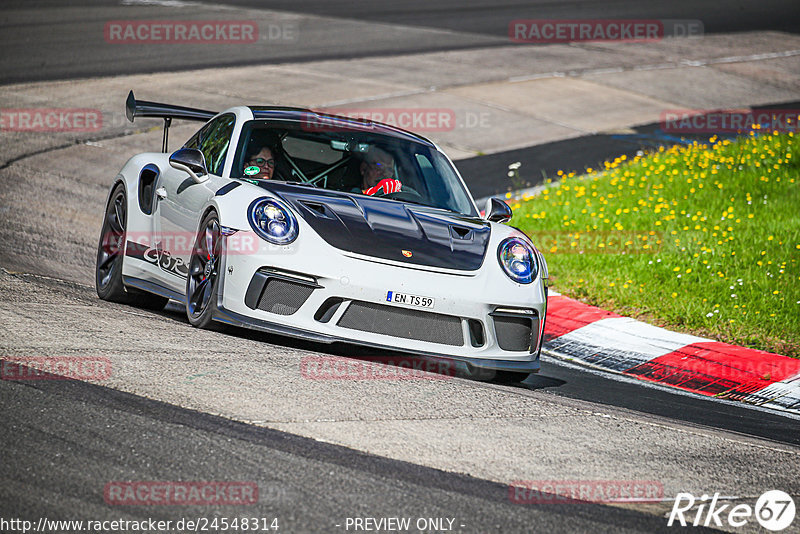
(261, 162)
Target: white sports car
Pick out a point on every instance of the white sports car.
(326, 228)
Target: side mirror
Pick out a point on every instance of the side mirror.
(497, 211)
(192, 161)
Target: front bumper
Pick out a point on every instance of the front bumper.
(470, 308)
(234, 319)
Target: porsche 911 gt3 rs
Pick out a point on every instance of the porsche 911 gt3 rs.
(326, 228)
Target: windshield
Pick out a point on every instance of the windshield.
(352, 161)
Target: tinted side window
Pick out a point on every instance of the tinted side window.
(213, 141)
(194, 141)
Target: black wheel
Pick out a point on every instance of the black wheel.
(110, 252)
(203, 280)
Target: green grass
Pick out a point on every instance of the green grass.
(702, 239)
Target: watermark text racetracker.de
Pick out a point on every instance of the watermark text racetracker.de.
(177, 243)
(180, 493)
(584, 491)
(620, 30)
(719, 377)
(55, 368)
(50, 120)
(423, 120)
(375, 368)
(598, 241)
(218, 32)
(729, 121)
(412, 119)
(144, 525)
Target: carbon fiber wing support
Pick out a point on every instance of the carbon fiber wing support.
(142, 108)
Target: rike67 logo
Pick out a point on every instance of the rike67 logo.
(774, 510)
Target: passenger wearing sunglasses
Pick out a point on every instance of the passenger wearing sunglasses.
(260, 166)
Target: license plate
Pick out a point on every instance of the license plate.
(409, 300)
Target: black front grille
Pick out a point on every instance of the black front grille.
(404, 323)
(516, 333)
(283, 297)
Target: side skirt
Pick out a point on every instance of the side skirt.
(152, 287)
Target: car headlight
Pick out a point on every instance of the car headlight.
(272, 221)
(518, 260)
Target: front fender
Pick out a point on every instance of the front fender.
(231, 205)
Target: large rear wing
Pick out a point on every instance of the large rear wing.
(142, 108)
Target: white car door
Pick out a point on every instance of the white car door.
(183, 199)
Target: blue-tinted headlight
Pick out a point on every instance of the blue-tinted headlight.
(272, 221)
(518, 260)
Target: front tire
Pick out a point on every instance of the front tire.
(110, 255)
(202, 284)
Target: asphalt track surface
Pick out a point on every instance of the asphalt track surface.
(492, 18)
(53, 39)
(576, 383)
(69, 438)
(308, 485)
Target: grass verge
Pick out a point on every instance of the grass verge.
(702, 238)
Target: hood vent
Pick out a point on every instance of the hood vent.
(318, 209)
(388, 229)
(460, 232)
